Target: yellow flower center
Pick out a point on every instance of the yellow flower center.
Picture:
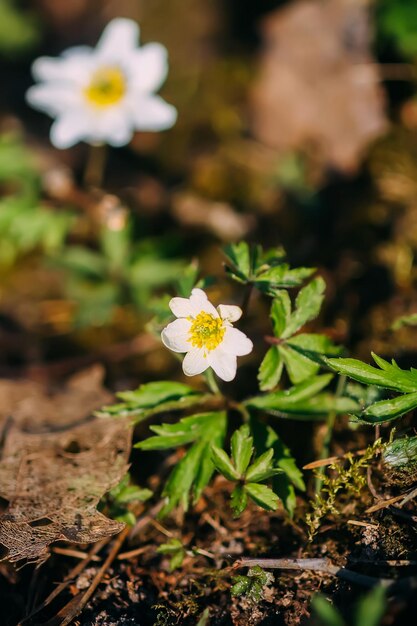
(107, 86)
(206, 331)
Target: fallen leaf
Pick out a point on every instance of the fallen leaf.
(318, 87)
(57, 461)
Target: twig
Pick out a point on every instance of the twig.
(408, 497)
(332, 459)
(77, 554)
(146, 519)
(130, 554)
(355, 522)
(76, 610)
(315, 565)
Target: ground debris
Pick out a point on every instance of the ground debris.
(57, 461)
(317, 91)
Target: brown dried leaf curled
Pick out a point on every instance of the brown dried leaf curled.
(56, 463)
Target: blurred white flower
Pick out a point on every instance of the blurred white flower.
(206, 334)
(103, 94)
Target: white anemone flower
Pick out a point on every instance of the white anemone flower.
(206, 334)
(103, 94)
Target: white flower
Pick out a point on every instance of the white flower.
(206, 334)
(103, 94)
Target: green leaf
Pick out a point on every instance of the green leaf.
(239, 500)
(307, 305)
(270, 369)
(314, 346)
(262, 495)
(252, 586)
(238, 255)
(401, 452)
(390, 376)
(299, 367)
(152, 398)
(280, 312)
(152, 394)
(241, 449)
(272, 280)
(262, 468)
(192, 474)
(371, 608)
(223, 464)
(327, 614)
(283, 400)
(387, 410)
(321, 405)
(175, 550)
(404, 320)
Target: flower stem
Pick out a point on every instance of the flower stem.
(212, 382)
(331, 418)
(95, 165)
(246, 298)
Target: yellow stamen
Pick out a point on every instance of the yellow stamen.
(206, 331)
(107, 86)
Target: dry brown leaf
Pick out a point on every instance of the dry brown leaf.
(319, 85)
(57, 461)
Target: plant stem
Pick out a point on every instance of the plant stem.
(95, 165)
(212, 382)
(246, 298)
(331, 418)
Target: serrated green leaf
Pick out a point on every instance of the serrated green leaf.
(389, 377)
(298, 366)
(223, 464)
(238, 254)
(280, 312)
(272, 280)
(185, 431)
(262, 495)
(192, 474)
(307, 305)
(262, 468)
(175, 550)
(238, 500)
(283, 400)
(252, 586)
(241, 449)
(270, 369)
(314, 346)
(319, 407)
(152, 394)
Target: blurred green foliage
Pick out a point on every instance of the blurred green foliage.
(26, 224)
(396, 21)
(19, 29)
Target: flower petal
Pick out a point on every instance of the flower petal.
(175, 335)
(148, 67)
(181, 307)
(73, 66)
(53, 99)
(223, 364)
(235, 342)
(68, 130)
(152, 113)
(118, 40)
(230, 312)
(200, 302)
(195, 362)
